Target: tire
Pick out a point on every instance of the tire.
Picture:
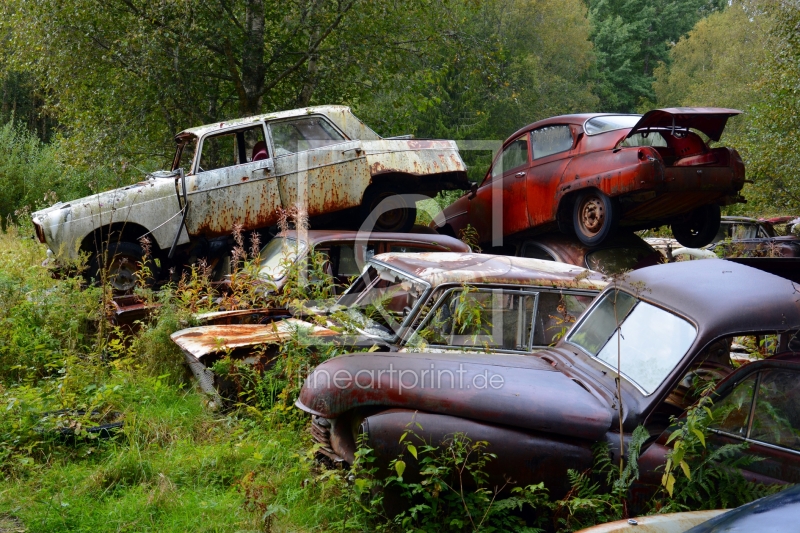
(594, 217)
(701, 227)
(122, 263)
(399, 219)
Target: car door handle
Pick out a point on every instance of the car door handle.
(519, 175)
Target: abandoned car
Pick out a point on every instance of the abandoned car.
(737, 237)
(241, 173)
(587, 174)
(542, 412)
(437, 301)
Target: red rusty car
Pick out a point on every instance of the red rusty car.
(541, 413)
(590, 173)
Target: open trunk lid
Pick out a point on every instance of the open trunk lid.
(708, 120)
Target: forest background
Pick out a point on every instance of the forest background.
(93, 92)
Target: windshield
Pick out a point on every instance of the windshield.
(381, 299)
(278, 255)
(648, 344)
(606, 123)
(184, 155)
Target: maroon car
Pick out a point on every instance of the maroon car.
(542, 413)
(587, 174)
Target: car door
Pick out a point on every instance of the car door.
(500, 207)
(763, 410)
(234, 183)
(317, 165)
(550, 151)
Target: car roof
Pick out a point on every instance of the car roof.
(319, 236)
(721, 297)
(340, 115)
(438, 268)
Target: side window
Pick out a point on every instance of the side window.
(776, 419)
(534, 251)
(233, 148)
(555, 314)
(731, 414)
(482, 318)
(344, 258)
(550, 140)
(515, 155)
(307, 133)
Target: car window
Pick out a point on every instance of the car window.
(731, 414)
(555, 314)
(307, 133)
(606, 123)
(233, 148)
(776, 419)
(278, 255)
(186, 149)
(622, 258)
(535, 251)
(652, 138)
(550, 140)
(514, 156)
(651, 340)
(481, 318)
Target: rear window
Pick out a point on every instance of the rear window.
(298, 135)
(606, 123)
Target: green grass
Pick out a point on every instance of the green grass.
(176, 465)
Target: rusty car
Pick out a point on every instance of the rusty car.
(587, 174)
(623, 364)
(241, 173)
(410, 301)
(737, 237)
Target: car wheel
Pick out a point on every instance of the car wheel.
(121, 265)
(397, 215)
(701, 227)
(593, 217)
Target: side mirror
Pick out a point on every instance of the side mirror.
(473, 191)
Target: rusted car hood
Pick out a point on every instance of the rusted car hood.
(203, 340)
(528, 394)
(709, 120)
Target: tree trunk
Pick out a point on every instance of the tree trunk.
(307, 91)
(253, 68)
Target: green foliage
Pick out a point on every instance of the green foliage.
(630, 40)
(601, 495)
(696, 477)
(34, 175)
(450, 490)
(768, 145)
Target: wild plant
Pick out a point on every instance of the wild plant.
(697, 477)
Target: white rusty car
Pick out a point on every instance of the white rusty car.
(241, 172)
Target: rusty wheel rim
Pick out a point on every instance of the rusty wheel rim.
(393, 217)
(592, 215)
(122, 273)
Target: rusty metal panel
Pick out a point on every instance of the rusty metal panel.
(151, 204)
(323, 180)
(442, 267)
(203, 340)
